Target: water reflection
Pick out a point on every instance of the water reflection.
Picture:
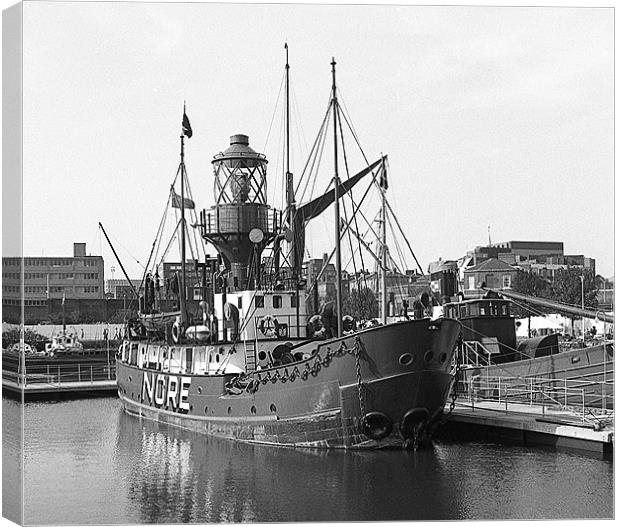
(87, 462)
(178, 476)
(12, 413)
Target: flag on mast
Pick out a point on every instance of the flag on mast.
(177, 202)
(383, 180)
(187, 128)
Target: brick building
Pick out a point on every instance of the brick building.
(493, 273)
(538, 257)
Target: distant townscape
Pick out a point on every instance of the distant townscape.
(79, 284)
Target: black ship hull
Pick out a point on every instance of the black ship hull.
(383, 387)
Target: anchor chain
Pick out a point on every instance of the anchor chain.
(360, 384)
(455, 381)
(455, 394)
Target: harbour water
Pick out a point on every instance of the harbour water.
(86, 462)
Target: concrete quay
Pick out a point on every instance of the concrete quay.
(531, 425)
(51, 390)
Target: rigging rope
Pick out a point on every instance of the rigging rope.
(275, 108)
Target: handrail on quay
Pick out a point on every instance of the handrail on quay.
(587, 399)
(57, 375)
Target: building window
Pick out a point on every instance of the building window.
(506, 281)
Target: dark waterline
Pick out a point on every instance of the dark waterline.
(87, 462)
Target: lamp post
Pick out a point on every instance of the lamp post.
(583, 320)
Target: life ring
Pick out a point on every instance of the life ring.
(176, 332)
(376, 425)
(268, 326)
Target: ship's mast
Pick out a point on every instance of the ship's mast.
(182, 302)
(290, 197)
(383, 251)
(337, 203)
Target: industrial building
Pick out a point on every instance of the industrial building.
(50, 277)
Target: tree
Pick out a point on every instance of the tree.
(567, 287)
(528, 283)
(361, 304)
(11, 336)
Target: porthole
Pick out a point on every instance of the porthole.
(428, 356)
(229, 410)
(405, 359)
(253, 410)
(262, 355)
(272, 408)
(443, 357)
(206, 410)
(199, 389)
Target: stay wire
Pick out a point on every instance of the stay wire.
(313, 151)
(350, 191)
(275, 109)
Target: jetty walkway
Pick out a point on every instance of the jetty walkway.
(547, 415)
(49, 380)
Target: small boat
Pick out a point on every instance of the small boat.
(63, 343)
(24, 347)
(491, 350)
(246, 366)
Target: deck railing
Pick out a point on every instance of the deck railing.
(474, 353)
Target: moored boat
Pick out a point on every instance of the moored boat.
(245, 368)
(491, 350)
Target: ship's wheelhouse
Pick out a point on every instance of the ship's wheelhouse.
(495, 307)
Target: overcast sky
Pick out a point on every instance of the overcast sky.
(490, 116)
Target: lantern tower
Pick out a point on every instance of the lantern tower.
(241, 223)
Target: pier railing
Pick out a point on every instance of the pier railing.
(583, 398)
(60, 375)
